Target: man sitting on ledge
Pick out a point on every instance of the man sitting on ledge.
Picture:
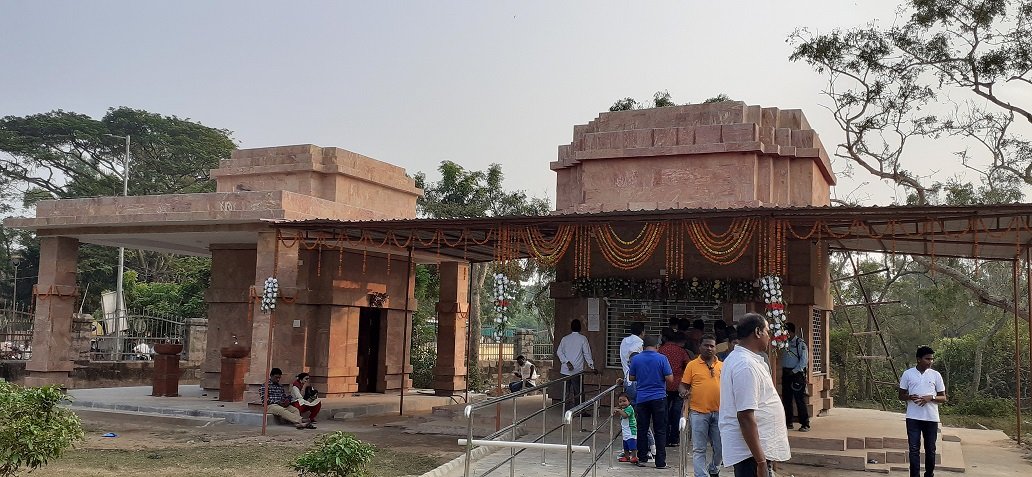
(280, 403)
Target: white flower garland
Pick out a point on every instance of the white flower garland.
(503, 294)
(774, 301)
(269, 295)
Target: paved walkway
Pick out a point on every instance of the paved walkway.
(199, 403)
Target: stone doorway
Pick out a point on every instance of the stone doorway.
(369, 326)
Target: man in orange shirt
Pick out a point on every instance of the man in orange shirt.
(700, 385)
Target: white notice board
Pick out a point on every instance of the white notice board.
(593, 313)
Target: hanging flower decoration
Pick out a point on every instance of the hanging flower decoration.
(269, 294)
(773, 299)
(503, 296)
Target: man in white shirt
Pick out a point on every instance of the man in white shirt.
(752, 421)
(634, 343)
(631, 344)
(923, 389)
(573, 352)
(526, 372)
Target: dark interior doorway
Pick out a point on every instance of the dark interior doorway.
(369, 322)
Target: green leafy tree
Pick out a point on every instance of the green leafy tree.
(465, 193)
(60, 154)
(33, 428)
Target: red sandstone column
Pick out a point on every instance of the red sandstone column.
(55, 303)
(450, 368)
(280, 262)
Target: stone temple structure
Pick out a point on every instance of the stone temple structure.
(333, 329)
(346, 315)
(707, 156)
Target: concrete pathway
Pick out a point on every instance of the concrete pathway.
(194, 402)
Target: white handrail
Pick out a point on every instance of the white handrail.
(524, 445)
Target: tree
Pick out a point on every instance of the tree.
(720, 98)
(33, 427)
(891, 87)
(950, 71)
(59, 155)
(464, 193)
(660, 99)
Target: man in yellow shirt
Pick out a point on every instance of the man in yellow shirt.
(700, 386)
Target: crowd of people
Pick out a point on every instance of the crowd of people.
(723, 381)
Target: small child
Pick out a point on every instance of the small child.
(629, 426)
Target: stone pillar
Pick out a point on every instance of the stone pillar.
(452, 316)
(273, 260)
(227, 299)
(196, 340)
(55, 294)
(82, 333)
(524, 344)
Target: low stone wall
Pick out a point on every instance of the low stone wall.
(104, 375)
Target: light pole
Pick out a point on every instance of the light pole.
(119, 297)
(16, 259)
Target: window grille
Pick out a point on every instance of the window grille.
(817, 342)
(620, 312)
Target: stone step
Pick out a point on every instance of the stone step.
(158, 418)
(231, 417)
(852, 459)
(798, 441)
(949, 457)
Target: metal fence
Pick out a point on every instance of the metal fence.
(15, 332)
(132, 337)
(507, 436)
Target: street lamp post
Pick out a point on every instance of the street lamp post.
(119, 297)
(16, 259)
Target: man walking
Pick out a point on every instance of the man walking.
(793, 378)
(700, 384)
(676, 355)
(752, 421)
(573, 352)
(651, 372)
(923, 389)
(632, 343)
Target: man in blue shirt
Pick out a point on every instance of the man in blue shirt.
(651, 372)
(793, 378)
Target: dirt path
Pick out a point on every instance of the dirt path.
(153, 450)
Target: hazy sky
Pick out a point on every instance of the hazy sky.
(412, 83)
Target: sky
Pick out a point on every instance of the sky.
(417, 83)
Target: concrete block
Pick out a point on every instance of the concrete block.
(817, 443)
(896, 457)
(855, 443)
(877, 456)
(874, 443)
(708, 134)
(895, 443)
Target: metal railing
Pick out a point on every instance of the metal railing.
(132, 337)
(593, 403)
(15, 333)
(684, 461)
(510, 430)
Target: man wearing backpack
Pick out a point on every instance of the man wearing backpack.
(793, 378)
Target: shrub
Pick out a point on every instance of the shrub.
(335, 455)
(33, 428)
(981, 406)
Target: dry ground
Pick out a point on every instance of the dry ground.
(160, 450)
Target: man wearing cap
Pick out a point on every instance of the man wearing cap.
(651, 372)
